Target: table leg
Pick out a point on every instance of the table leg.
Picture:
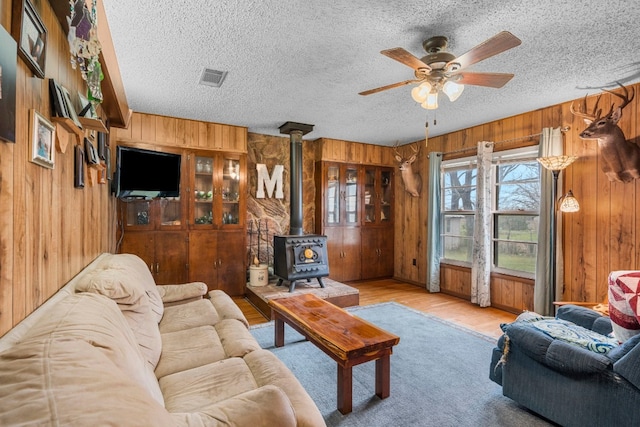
(383, 374)
(345, 398)
(279, 328)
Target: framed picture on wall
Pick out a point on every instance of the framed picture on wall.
(8, 66)
(31, 35)
(78, 167)
(43, 136)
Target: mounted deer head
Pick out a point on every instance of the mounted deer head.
(620, 158)
(412, 181)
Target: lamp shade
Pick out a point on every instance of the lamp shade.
(569, 203)
(420, 93)
(556, 163)
(453, 90)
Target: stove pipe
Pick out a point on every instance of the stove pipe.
(295, 132)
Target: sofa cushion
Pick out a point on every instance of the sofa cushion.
(188, 315)
(137, 274)
(119, 284)
(193, 389)
(264, 406)
(68, 381)
(576, 335)
(97, 320)
(189, 348)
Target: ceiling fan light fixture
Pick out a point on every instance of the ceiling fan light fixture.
(453, 90)
(432, 100)
(420, 92)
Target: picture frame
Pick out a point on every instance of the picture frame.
(43, 135)
(86, 109)
(78, 167)
(91, 152)
(58, 105)
(8, 72)
(31, 35)
(71, 109)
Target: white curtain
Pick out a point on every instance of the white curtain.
(550, 145)
(481, 255)
(434, 241)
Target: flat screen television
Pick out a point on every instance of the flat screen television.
(146, 173)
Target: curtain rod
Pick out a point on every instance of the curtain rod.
(533, 135)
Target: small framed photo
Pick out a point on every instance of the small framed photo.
(43, 136)
(31, 35)
(71, 109)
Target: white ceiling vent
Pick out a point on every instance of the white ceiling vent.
(211, 77)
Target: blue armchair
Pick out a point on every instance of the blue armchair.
(570, 369)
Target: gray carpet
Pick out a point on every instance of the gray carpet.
(439, 375)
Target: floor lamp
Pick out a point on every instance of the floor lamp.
(556, 164)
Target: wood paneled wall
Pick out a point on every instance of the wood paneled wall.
(598, 239)
(49, 230)
(173, 132)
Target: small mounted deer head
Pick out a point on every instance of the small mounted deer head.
(620, 158)
(412, 181)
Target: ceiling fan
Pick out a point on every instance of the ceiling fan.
(442, 71)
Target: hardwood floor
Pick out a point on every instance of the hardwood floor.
(456, 310)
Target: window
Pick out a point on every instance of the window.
(515, 207)
(458, 209)
(516, 202)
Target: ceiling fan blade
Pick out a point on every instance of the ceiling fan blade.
(497, 44)
(496, 80)
(405, 57)
(391, 86)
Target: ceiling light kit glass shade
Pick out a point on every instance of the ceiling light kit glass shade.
(426, 94)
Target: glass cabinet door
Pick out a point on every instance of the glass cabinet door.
(333, 195)
(369, 195)
(203, 190)
(170, 211)
(230, 192)
(386, 195)
(351, 195)
(137, 213)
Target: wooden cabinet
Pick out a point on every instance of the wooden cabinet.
(355, 212)
(343, 250)
(200, 235)
(377, 252)
(165, 252)
(217, 259)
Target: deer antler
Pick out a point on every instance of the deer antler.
(395, 149)
(416, 150)
(595, 114)
(625, 98)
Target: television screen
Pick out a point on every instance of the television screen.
(146, 173)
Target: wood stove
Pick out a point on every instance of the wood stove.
(300, 258)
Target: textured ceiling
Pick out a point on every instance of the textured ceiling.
(305, 61)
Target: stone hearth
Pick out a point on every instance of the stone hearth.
(335, 292)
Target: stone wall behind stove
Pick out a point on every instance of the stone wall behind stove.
(271, 215)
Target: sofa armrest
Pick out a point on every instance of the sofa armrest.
(627, 355)
(182, 293)
(267, 405)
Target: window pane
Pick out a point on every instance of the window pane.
(458, 225)
(522, 228)
(525, 171)
(460, 198)
(515, 256)
(457, 248)
(457, 178)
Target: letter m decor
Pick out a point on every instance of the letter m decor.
(270, 182)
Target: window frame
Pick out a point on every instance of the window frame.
(460, 164)
(512, 156)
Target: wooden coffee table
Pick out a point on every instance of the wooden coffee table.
(345, 338)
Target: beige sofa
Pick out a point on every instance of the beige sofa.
(112, 348)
